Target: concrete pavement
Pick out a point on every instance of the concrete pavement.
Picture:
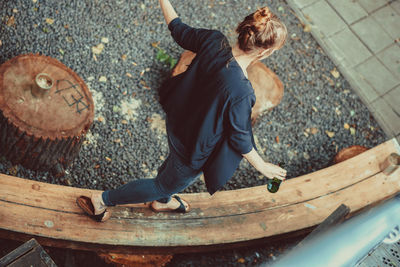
(362, 37)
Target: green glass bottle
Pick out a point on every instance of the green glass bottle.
(273, 185)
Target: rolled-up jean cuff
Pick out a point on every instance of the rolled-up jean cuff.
(106, 198)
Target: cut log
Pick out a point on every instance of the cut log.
(349, 152)
(45, 112)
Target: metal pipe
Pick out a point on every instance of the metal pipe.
(347, 243)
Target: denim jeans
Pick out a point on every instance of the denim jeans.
(173, 176)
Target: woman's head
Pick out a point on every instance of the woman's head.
(261, 32)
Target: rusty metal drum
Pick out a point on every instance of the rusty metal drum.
(45, 112)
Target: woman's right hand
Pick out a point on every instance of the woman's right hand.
(273, 171)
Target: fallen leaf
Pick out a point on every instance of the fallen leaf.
(34, 1)
(335, 73)
(11, 21)
(49, 21)
(97, 166)
(338, 112)
(13, 170)
(346, 126)
(100, 119)
(124, 57)
(315, 109)
(143, 6)
(241, 260)
(352, 131)
(155, 44)
(330, 134)
(105, 40)
(277, 139)
(1, 43)
(45, 30)
(117, 140)
(352, 113)
(61, 51)
(15, 10)
(108, 159)
(124, 122)
(134, 64)
(66, 26)
(103, 79)
(314, 130)
(307, 28)
(98, 49)
(129, 75)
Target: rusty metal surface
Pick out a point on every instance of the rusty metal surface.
(66, 110)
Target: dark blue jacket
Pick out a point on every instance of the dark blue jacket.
(208, 107)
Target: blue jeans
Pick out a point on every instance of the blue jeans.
(173, 176)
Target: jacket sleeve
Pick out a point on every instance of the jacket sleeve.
(191, 38)
(241, 134)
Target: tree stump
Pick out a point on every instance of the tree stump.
(348, 153)
(45, 112)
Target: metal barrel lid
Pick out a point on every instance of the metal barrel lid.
(44, 98)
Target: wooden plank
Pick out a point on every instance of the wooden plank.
(28, 254)
(49, 211)
(126, 228)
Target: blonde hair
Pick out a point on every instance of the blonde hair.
(262, 29)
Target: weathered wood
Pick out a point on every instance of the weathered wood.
(44, 129)
(28, 254)
(49, 211)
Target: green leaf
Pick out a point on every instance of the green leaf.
(172, 62)
(160, 54)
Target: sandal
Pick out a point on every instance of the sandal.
(180, 209)
(86, 205)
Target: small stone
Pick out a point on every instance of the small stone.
(103, 79)
(98, 49)
(105, 40)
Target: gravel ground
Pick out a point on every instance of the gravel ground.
(109, 44)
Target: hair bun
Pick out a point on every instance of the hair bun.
(263, 15)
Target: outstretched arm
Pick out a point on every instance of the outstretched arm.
(168, 11)
(267, 169)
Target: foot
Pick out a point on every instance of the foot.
(175, 204)
(98, 204)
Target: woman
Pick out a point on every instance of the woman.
(208, 110)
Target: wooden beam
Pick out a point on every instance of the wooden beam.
(49, 212)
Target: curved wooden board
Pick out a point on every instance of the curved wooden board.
(49, 211)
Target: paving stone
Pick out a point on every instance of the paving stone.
(325, 18)
(393, 98)
(350, 11)
(391, 59)
(377, 75)
(303, 3)
(396, 6)
(372, 34)
(361, 86)
(372, 5)
(385, 114)
(347, 48)
(389, 19)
